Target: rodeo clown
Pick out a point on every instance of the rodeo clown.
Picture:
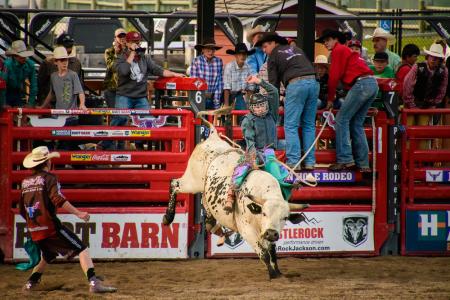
(259, 128)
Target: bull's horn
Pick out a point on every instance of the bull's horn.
(295, 206)
(256, 200)
(220, 111)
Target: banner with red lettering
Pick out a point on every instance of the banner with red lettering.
(320, 232)
(136, 235)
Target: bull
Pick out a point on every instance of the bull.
(260, 212)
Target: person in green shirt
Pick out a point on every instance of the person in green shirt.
(19, 69)
(380, 67)
(381, 39)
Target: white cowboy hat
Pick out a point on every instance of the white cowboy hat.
(253, 31)
(19, 48)
(321, 59)
(60, 53)
(38, 156)
(381, 33)
(436, 50)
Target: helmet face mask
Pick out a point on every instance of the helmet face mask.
(258, 105)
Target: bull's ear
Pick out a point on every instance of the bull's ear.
(295, 218)
(254, 208)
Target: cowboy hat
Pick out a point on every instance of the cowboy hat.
(381, 33)
(19, 48)
(208, 43)
(331, 33)
(38, 156)
(240, 48)
(436, 50)
(253, 31)
(60, 53)
(271, 37)
(321, 60)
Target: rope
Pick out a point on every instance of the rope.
(328, 114)
(229, 20)
(279, 16)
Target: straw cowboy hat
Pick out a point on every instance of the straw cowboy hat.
(321, 60)
(38, 156)
(19, 48)
(209, 43)
(60, 53)
(253, 31)
(240, 48)
(436, 50)
(381, 33)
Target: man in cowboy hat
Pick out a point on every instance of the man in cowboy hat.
(425, 86)
(210, 68)
(348, 67)
(48, 66)
(41, 196)
(289, 65)
(235, 77)
(257, 59)
(111, 54)
(381, 39)
(20, 68)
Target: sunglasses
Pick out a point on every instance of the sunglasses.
(121, 35)
(61, 59)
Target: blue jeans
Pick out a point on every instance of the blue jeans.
(239, 104)
(350, 123)
(300, 107)
(123, 102)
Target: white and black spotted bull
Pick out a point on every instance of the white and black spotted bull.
(260, 212)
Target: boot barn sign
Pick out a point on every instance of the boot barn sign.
(120, 235)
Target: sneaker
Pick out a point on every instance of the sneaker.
(30, 286)
(96, 286)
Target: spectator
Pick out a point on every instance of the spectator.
(292, 42)
(235, 77)
(20, 75)
(2, 84)
(321, 65)
(289, 65)
(110, 82)
(48, 67)
(380, 66)
(65, 87)
(409, 57)
(210, 68)
(381, 38)
(256, 60)
(133, 68)
(425, 86)
(347, 66)
(356, 45)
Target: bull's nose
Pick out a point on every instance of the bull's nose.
(271, 235)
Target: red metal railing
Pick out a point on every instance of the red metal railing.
(142, 178)
(419, 194)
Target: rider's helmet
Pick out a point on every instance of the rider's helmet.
(258, 105)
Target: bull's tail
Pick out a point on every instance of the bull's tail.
(221, 111)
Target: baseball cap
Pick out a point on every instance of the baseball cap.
(120, 31)
(381, 56)
(65, 40)
(354, 43)
(133, 36)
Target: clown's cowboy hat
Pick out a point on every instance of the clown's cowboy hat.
(38, 156)
(209, 43)
(20, 49)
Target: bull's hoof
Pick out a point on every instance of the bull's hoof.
(168, 219)
(275, 275)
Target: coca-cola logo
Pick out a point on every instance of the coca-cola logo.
(101, 157)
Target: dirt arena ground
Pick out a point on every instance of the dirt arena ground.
(336, 278)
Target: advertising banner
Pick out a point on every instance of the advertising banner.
(321, 232)
(120, 235)
(428, 231)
